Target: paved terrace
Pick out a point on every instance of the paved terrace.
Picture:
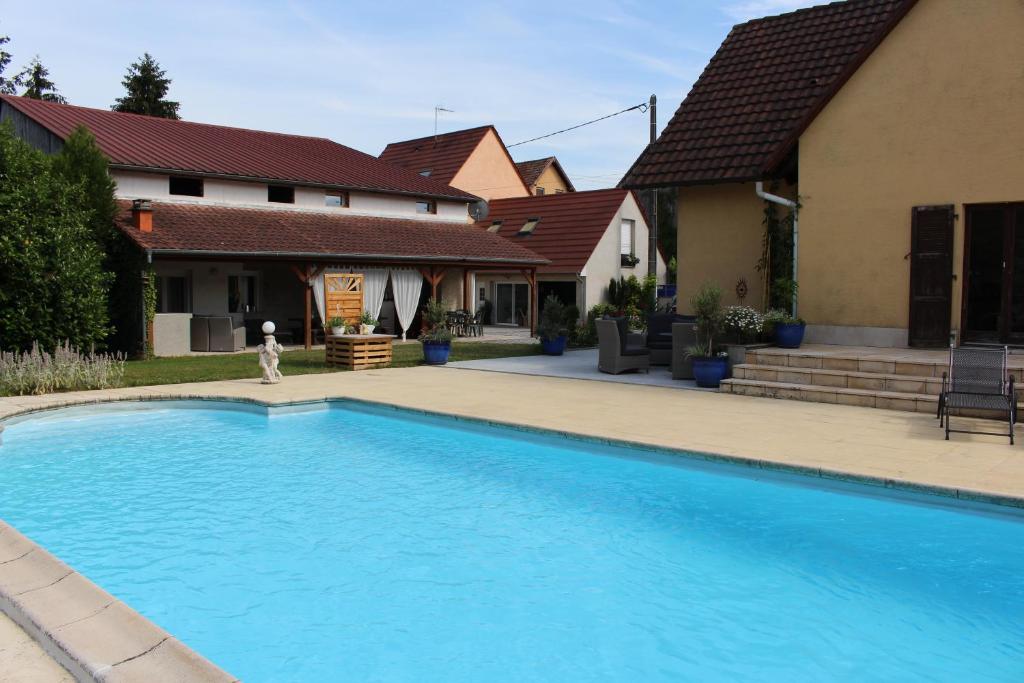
(888, 448)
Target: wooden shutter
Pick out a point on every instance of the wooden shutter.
(931, 275)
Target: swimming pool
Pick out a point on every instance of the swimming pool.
(368, 544)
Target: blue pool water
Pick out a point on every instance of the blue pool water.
(356, 544)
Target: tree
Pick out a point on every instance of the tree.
(53, 286)
(146, 85)
(8, 86)
(38, 86)
(80, 162)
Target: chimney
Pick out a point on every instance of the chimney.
(142, 215)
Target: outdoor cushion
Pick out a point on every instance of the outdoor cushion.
(635, 351)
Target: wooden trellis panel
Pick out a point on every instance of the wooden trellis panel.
(343, 297)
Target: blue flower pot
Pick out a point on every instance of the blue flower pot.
(436, 353)
(554, 347)
(789, 335)
(709, 372)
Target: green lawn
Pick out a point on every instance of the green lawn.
(297, 362)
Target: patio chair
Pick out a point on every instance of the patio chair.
(684, 335)
(659, 336)
(615, 356)
(977, 379)
(224, 335)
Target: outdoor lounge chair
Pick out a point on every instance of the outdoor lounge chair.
(977, 380)
(615, 356)
(684, 335)
(659, 336)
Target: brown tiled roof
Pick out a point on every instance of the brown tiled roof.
(146, 142)
(571, 224)
(766, 83)
(532, 170)
(197, 229)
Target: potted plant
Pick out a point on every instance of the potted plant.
(436, 337)
(367, 323)
(551, 328)
(337, 326)
(788, 330)
(742, 326)
(709, 365)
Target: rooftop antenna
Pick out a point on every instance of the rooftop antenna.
(437, 110)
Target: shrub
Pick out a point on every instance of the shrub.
(53, 285)
(552, 319)
(742, 323)
(777, 316)
(707, 306)
(435, 323)
(367, 319)
(66, 369)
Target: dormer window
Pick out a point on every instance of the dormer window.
(187, 187)
(426, 206)
(528, 227)
(425, 173)
(494, 227)
(539, 191)
(336, 200)
(281, 194)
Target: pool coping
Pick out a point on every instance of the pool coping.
(107, 640)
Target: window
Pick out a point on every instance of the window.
(528, 227)
(281, 194)
(243, 294)
(189, 187)
(425, 173)
(626, 243)
(336, 199)
(559, 191)
(494, 227)
(173, 295)
(426, 206)
(539, 191)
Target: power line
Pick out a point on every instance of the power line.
(642, 107)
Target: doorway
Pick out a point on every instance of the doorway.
(994, 274)
(511, 303)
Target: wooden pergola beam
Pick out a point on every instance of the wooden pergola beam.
(531, 279)
(307, 274)
(434, 275)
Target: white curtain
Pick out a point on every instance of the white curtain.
(406, 284)
(375, 281)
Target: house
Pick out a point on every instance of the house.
(897, 124)
(544, 176)
(473, 160)
(589, 238)
(249, 225)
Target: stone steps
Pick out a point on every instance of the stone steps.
(869, 379)
(840, 379)
(891, 400)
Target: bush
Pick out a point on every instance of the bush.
(435, 323)
(66, 369)
(742, 323)
(552, 319)
(53, 285)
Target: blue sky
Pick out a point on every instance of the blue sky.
(366, 73)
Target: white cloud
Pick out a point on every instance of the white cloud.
(754, 9)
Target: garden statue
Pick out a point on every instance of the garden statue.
(270, 352)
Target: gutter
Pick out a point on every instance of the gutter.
(782, 201)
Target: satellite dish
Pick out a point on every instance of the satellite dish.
(478, 210)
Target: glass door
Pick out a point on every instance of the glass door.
(994, 294)
(504, 303)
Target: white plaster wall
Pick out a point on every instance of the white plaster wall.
(135, 185)
(605, 262)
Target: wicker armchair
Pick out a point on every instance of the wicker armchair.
(978, 379)
(614, 355)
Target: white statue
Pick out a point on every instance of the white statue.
(270, 352)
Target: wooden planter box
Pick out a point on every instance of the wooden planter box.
(359, 351)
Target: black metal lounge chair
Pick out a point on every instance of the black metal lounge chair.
(977, 380)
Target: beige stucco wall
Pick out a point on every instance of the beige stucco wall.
(551, 181)
(934, 116)
(489, 172)
(134, 185)
(719, 235)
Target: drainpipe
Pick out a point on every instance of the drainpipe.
(776, 199)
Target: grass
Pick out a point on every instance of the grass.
(297, 362)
